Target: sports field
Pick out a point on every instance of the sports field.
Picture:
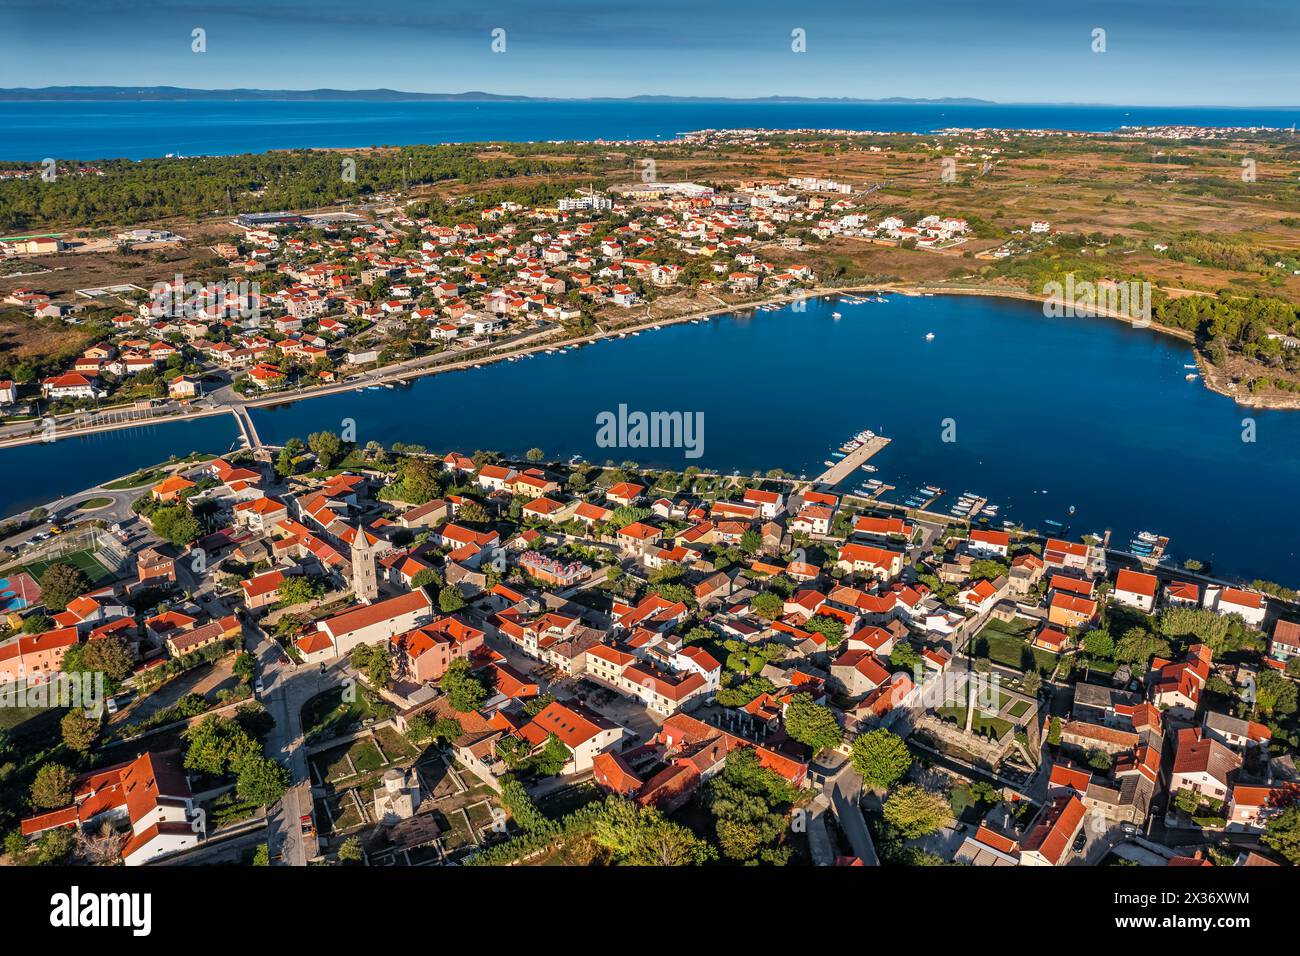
(85, 560)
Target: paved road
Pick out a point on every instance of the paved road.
(845, 791)
(284, 691)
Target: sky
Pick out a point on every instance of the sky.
(1157, 52)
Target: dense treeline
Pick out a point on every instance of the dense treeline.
(296, 179)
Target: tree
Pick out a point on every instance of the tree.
(60, 584)
(1098, 643)
(904, 656)
(767, 605)
(299, 589)
(52, 787)
(465, 692)
(829, 627)
(914, 811)
(988, 569)
(471, 512)
(375, 662)
(350, 851)
(260, 779)
(1275, 695)
(1282, 833)
(37, 623)
(174, 523)
(418, 481)
(110, 656)
(217, 745)
(751, 541)
(78, 730)
(450, 600)
(811, 724)
(245, 666)
(881, 757)
(1054, 732)
(287, 461)
(535, 454)
(1032, 683)
(327, 447)
(550, 760)
(640, 836)
(1138, 646)
(427, 578)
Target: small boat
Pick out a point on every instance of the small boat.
(836, 315)
(1071, 509)
(1190, 376)
(1193, 365)
(1148, 536)
(929, 336)
(870, 468)
(837, 454)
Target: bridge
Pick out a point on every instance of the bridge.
(246, 427)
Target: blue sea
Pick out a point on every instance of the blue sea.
(87, 130)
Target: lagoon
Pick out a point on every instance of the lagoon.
(1047, 413)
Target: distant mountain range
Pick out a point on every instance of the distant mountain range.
(146, 93)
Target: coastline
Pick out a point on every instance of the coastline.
(397, 373)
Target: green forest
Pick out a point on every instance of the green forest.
(131, 191)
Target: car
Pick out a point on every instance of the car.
(258, 688)
(1080, 841)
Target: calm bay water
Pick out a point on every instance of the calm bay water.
(1049, 413)
(135, 130)
(32, 475)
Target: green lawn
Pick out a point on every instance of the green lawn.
(92, 503)
(366, 756)
(979, 723)
(1008, 644)
(328, 714)
(1019, 708)
(394, 744)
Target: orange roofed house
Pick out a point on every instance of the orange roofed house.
(425, 653)
(1049, 840)
(368, 624)
(584, 732)
(151, 793)
(698, 751)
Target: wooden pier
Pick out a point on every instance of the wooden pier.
(850, 462)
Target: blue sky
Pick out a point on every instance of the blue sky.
(1159, 52)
